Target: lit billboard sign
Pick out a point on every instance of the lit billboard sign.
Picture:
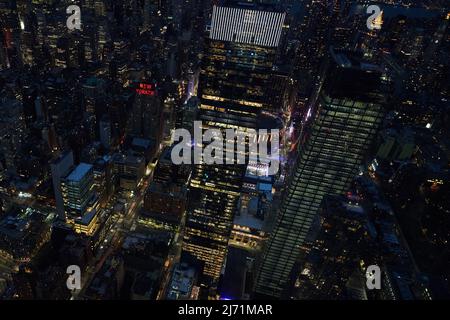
(146, 89)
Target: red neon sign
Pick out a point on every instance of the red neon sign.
(146, 89)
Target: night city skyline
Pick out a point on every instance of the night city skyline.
(244, 150)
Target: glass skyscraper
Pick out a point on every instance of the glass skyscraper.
(333, 144)
(77, 190)
(233, 85)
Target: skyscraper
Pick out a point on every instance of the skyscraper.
(12, 131)
(348, 112)
(233, 86)
(105, 132)
(60, 168)
(78, 191)
(146, 116)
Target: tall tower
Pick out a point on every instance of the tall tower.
(78, 191)
(347, 116)
(12, 131)
(105, 131)
(60, 167)
(145, 120)
(233, 85)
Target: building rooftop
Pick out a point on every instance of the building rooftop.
(183, 280)
(79, 172)
(350, 76)
(87, 218)
(242, 24)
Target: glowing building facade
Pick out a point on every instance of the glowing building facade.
(233, 86)
(78, 191)
(347, 116)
